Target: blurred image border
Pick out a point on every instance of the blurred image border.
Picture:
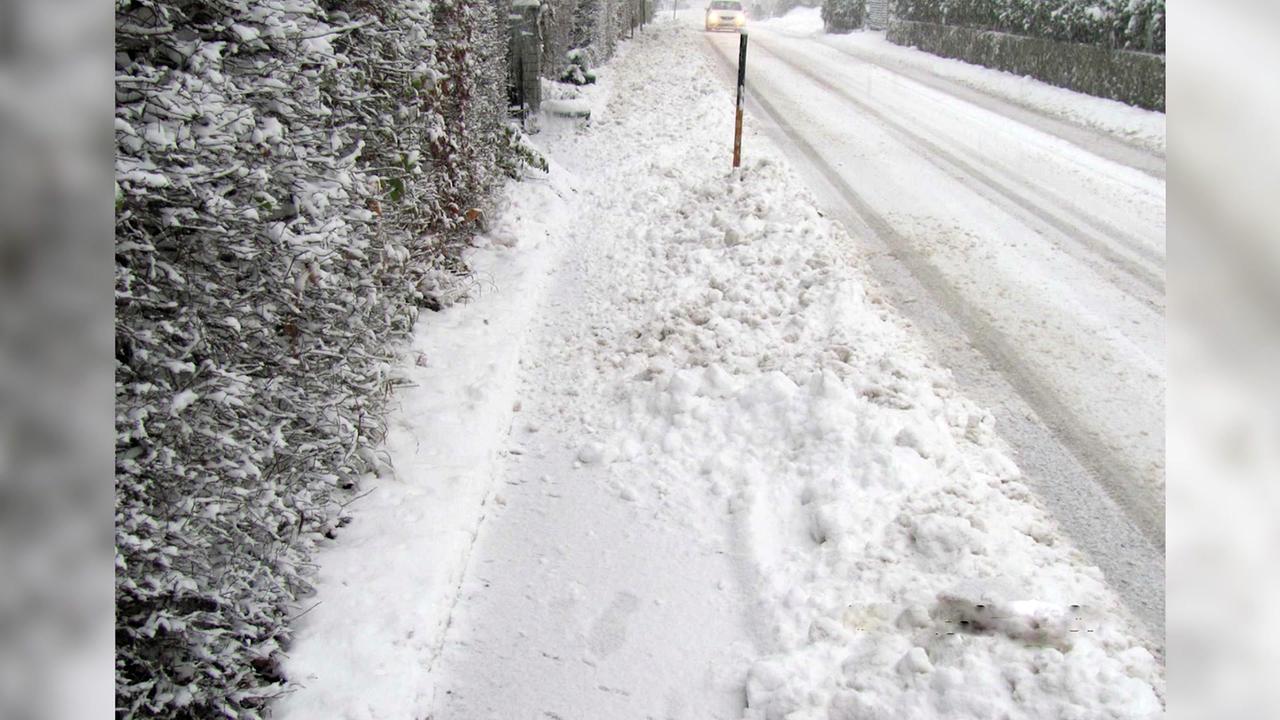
(55, 359)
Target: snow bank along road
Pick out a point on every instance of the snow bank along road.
(718, 475)
(1028, 247)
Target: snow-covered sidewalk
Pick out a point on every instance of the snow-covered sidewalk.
(718, 477)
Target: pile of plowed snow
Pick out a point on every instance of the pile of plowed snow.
(902, 568)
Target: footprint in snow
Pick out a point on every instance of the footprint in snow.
(609, 632)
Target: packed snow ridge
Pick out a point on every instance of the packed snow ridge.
(906, 572)
(737, 375)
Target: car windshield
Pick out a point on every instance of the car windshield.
(726, 5)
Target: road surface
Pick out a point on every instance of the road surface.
(1029, 249)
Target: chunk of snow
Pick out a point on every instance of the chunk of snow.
(915, 661)
(182, 401)
(594, 453)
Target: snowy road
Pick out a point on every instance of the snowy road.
(1029, 248)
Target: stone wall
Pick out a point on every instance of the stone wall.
(1130, 77)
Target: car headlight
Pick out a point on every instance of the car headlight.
(740, 20)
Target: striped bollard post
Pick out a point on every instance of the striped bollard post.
(737, 118)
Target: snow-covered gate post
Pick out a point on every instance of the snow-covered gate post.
(526, 56)
(737, 113)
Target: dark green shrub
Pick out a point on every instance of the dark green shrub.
(577, 71)
(843, 15)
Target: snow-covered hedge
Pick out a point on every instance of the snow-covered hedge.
(593, 27)
(1136, 78)
(1119, 24)
(293, 178)
(843, 15)
(777, 8)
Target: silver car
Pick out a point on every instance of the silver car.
(725, 15)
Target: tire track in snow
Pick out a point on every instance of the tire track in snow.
(1117, 523)
(915, 88)
(1121, 251)
(1118, 150)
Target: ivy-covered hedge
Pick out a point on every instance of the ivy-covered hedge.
(1118, 24)
(843, 15)
(293, 180)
